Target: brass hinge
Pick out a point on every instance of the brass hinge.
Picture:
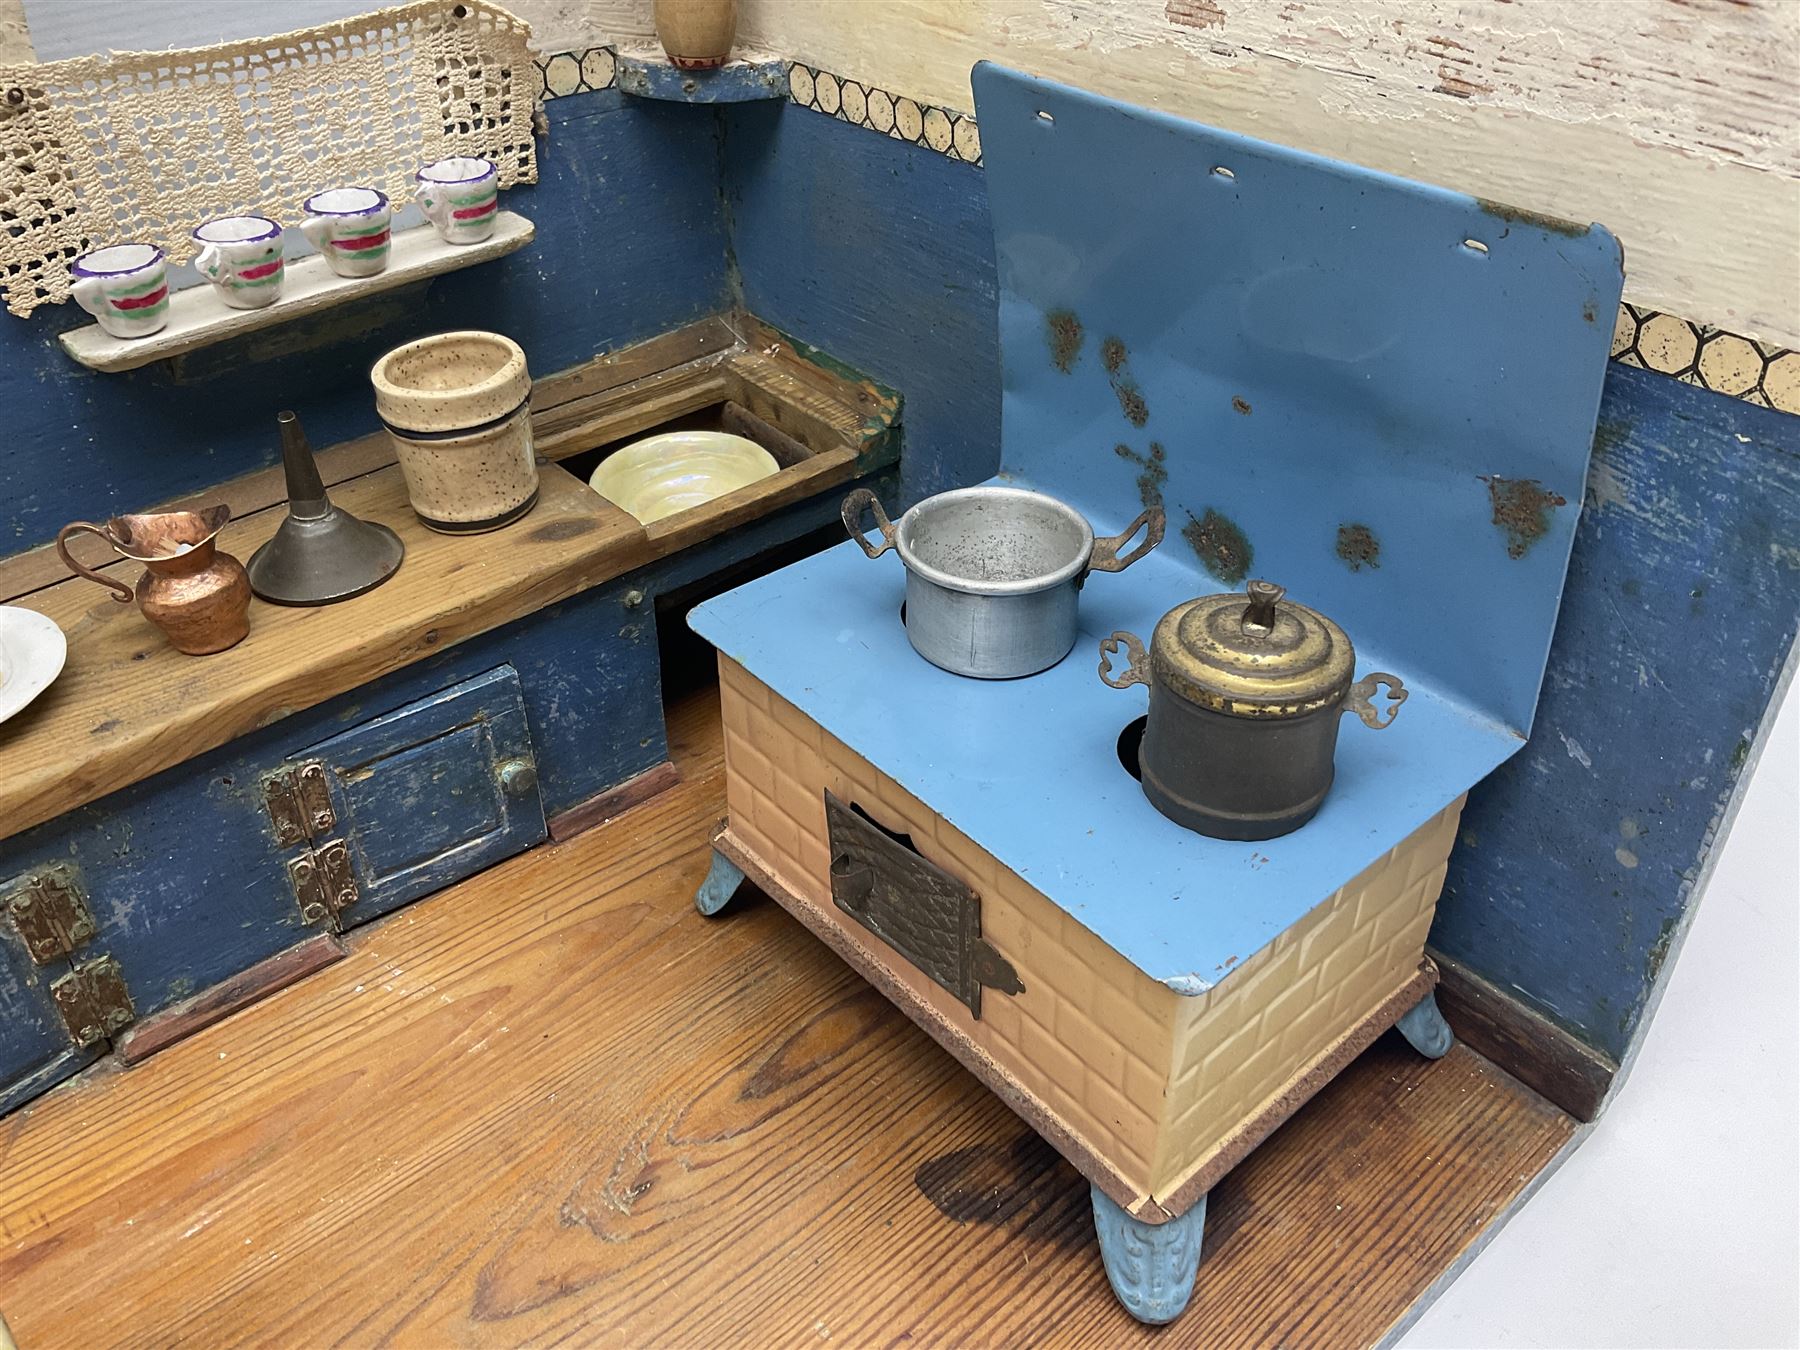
(50, 914)
(93, 1001)
(299, 800)
(323, 882)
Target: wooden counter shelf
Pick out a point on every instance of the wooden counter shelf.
(127, 705)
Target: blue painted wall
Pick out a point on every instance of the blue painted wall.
(1578, 859)
(631, 242)
(881, 254)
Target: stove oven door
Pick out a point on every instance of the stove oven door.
(879, 879)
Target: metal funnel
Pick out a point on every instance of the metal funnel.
(320, 554)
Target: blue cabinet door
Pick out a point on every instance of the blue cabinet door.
(432, 792)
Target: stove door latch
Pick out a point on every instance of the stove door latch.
(882, 881)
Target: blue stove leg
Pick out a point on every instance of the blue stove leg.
(1426, 1030)
(722, 881)
(1151, 1266)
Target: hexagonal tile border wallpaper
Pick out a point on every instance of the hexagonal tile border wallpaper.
(565, 73)
(1691, 352)
(949, 133)
(1696, 353)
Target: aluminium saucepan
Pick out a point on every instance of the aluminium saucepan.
(993, 573)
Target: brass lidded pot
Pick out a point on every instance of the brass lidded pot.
(1245, 695)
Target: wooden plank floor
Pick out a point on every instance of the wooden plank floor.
(554, 1106)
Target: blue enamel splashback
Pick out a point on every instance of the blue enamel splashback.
(1378, 393)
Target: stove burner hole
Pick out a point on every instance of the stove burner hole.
(1129, 741)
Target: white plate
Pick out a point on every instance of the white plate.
(660, 475)
(32, 649)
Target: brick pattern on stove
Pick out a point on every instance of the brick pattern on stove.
(1149, 1079)
(1239, 1044)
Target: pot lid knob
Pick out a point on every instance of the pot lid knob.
(1259, 618)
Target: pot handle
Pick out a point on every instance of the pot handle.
(1105, 557)
(125, 594)
(1360, 699)
(854, 505)
(1136, 672)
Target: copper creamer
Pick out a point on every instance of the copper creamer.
(197, 595)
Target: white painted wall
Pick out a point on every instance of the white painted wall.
(1676, 123)
(62, 28)
(15, 39)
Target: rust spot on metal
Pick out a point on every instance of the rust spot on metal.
(1063, 330)
(1522, 509)
(1518, 215)
(1358, 546)
(1239, 404)
(1131, 398)
(1155, 472)
(562, 529)
(1131, 402)
(1223, 549)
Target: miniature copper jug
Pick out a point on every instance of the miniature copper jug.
(198, 596)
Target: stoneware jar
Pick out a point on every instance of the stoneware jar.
(350, 227)
(197, 595)
(697, 34)
(241, 257)
(456, 407)
(461, 198)
(1245, 696)
(125, 287)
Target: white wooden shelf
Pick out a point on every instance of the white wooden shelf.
(198, 318)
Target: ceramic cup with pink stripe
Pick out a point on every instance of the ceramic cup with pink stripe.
(349, 226)
(241, 256)
(125, 287)
(460, 197)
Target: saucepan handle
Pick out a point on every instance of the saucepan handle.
(1136, 672)
(854, 505)
(124, 592)
(1361, 699)
(1106, 556)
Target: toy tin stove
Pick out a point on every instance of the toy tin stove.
(1378, 393)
